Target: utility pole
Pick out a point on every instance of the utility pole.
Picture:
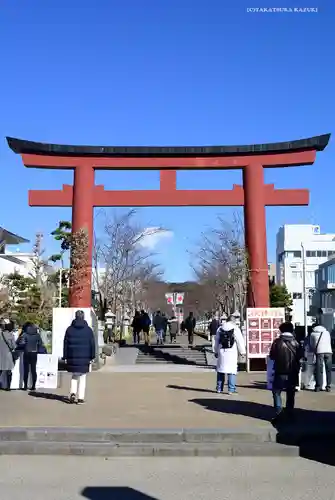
(304, 287)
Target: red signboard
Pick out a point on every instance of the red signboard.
(266, 336)
(262, 329)
(253, 348)
(266, 348)
(253, 335)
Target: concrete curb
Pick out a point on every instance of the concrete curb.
(135, 436)
(156, 442)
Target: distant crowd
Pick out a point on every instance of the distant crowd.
(163, 326)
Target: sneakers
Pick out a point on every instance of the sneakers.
(72, 399)
(81, 401)
(232, 393)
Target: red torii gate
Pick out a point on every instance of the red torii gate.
(255, 195)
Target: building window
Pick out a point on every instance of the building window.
(331, 252)
(331, 274)
(311, 253)
(297, 254)
(321, 253)
(297, 295)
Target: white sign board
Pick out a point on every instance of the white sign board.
(262, 329)
(62, 318)
(47, 372)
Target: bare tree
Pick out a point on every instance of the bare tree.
(220, 264)
(121, 265)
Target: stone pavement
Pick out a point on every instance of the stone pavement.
(157, 401)
(80, 478)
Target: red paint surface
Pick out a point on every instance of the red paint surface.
(255, 235)
(254, 196)
(82, 218)
(230, 162)
(168, 197)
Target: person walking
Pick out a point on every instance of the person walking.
(229, 344)
(145, 324)
(320, 345)
(137, 327)
(159, 325)
(286, 353)
(189, 325)
(165, 326)
(7, 350)
(173, 329)
(30, 342)
(79, 352)
(213, 327)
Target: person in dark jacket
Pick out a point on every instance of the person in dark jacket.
(79, 352)
(30, 342)
(7, 349)
(165, 326)
(286, 353)
(213, 327)
(137, 327)
(159, 325)
(146, 322)
(190, 323)
(173, 328)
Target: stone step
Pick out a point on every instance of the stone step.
(141, 443)
(147, 450)
(174, 354)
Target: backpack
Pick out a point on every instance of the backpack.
(227, 339)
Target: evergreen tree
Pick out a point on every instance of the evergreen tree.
(279, 296)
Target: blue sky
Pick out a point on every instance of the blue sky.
(165, 72)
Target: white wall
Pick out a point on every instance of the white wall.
(8, 267)
(289, 257)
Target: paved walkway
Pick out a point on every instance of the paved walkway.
(80, 478)
(156, 401)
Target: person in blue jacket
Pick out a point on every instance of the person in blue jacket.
(79, 352)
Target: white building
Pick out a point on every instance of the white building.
(11, 262)
(301, 248)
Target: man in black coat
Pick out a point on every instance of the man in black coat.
(79, 352)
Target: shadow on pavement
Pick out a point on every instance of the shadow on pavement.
(192, 389)
(254, 385)
(114, 493)
(312, 431)
(49, 396)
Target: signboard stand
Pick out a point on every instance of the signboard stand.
(262, 328)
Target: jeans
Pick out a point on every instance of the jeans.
(159, 335)
(220, 380)
(29, 365)
(78, 385)
(282, 383)
(323, 360)
(8, 376)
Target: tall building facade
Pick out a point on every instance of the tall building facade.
(301, 249)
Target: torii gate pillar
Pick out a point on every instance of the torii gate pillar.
(255, 234)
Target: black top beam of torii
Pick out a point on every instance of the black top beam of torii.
(19, 146)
